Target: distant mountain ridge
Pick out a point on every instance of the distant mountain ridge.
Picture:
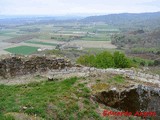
(126, 18)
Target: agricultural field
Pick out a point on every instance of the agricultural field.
(23, 50)
(92, 44)
(48, 36)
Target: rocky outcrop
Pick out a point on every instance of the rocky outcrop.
(136, 98)
(133, 74)
(15, 66)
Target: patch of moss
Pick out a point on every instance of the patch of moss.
(99, 87)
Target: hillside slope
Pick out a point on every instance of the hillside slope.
(141, 19)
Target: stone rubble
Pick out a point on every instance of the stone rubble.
(86, 71)
(59, 67)
(143, 98)
(17, 66)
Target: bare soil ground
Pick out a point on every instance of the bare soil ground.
(3, 46)
(92, 44)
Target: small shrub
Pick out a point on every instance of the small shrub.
(86, 60)
(157, 62)
(142, 62)
(105, 60)
(121, 61)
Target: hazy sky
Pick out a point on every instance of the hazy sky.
(66, 7)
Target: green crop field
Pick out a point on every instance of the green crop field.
(22, 50)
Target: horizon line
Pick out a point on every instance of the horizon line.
(75, 14)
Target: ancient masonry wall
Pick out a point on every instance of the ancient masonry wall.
(15, 66)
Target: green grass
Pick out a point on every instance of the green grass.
(41, 43)
(142, 62)
(23, 50)
(117, 79)
(48, 100)
(8, 117)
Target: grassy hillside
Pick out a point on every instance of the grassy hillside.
(63, 100)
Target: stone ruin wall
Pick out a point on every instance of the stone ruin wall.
(20, 65)
(16, 66)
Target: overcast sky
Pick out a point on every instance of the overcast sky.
(69, 7)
